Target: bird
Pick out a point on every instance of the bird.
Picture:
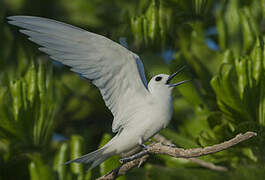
(140, 109)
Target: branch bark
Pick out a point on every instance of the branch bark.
(158, 148)
(202, 163)
(121, 170)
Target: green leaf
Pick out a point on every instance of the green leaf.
(227, 57)
(31, 79)
(152, 16)
(262, 4)
(34, 171)
(242, 74)
(39, 170)
(7, 125)
(249, 153)
(59, 160)
(221, 28)
(41, 81)
(257, 58)
(16, 93)
(248, 34)
(262, 102)
(76, 146)
(179, 139)
(138, 29)
(165, 21)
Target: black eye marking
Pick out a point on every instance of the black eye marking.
(158, 78)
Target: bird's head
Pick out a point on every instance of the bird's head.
(161, 83)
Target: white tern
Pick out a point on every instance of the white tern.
(140, 110)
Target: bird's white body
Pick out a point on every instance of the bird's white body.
(140, 110)
(153, 115)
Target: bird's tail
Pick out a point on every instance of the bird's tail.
(96, 157)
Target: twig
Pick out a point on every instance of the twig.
(165, 141)
(162, 139)
(208, 164)
(121, 170)
(159, 148)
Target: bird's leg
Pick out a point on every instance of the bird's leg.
(141, 143)
(133, 157)
(137, 155)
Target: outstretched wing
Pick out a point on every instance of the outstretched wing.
(116, 71)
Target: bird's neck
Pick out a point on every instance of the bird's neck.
(163, 105)
(165, 99)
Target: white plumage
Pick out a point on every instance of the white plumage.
(139, 110)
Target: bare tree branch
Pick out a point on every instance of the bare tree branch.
(121, 170)
(158, 148)
(208, 165)
(162, 139)
(165, 141)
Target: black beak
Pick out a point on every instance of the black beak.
(173, 75)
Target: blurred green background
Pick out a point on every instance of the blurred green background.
(46, 120)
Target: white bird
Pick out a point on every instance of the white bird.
(139, 110)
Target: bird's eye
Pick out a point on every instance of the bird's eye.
(158, 78)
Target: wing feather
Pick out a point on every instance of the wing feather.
(116, 71)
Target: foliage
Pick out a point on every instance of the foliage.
(27, 112)
(45, 120)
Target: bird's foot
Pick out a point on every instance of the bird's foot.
(126, 159)
(133, 157)
(143, 146)
(141, 143)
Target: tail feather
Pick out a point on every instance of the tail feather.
(96, 157)
(99, 161)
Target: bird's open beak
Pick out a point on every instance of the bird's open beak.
(173, 75)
